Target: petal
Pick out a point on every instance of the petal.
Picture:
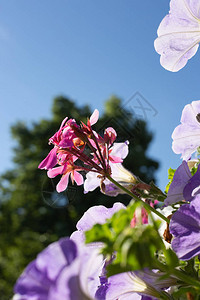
(196, 191)
(186, 248)
(178, 34)
(65, 251)
(186, 136)
(55, 171)
(112, 190)
(63, 183)
(115, 159)
(94, 215)
(18, 297)
(66, 142)
(190, 113)
(32, 282)
(63, 123)
(67, 285)
(50, 161)
(91, 267)
(192, 185)
(78, 237)
(176, 48)
(185, 8)
(80, 280)
(185, 226)
(121, 174)
(91, 182)
(120, 149)
(126, 286)
(78, 178)
(181, 178)
(94, 117)
(41, 274)
(97, 215)
(186, 140)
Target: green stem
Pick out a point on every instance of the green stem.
(187, 279)
(180, 275)
(146, 205)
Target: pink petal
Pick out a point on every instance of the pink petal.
(94, 117)
(78, 178)
(55, 171)
(63, 122)
(115, 159)
(50, 161)
(63, 183)
(120, 149)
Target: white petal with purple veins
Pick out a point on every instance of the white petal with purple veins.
(179, 34)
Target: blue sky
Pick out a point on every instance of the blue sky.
(87, 51)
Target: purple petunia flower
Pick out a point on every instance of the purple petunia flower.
(185, 227)
(67, 269)
(179, 34)
(184, 186)
(137, 285)
(186, 136)
(180, 179)
(61, 272)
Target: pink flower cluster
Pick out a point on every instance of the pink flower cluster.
(71, 144)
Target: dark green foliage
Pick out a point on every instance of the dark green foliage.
(32, 214)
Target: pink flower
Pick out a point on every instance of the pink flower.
(58, 140)
(70, 143)
(67, 170)
(141, 215)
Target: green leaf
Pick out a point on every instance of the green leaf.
(134, 248)
(170, 177)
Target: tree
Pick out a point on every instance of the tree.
(33, 214)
